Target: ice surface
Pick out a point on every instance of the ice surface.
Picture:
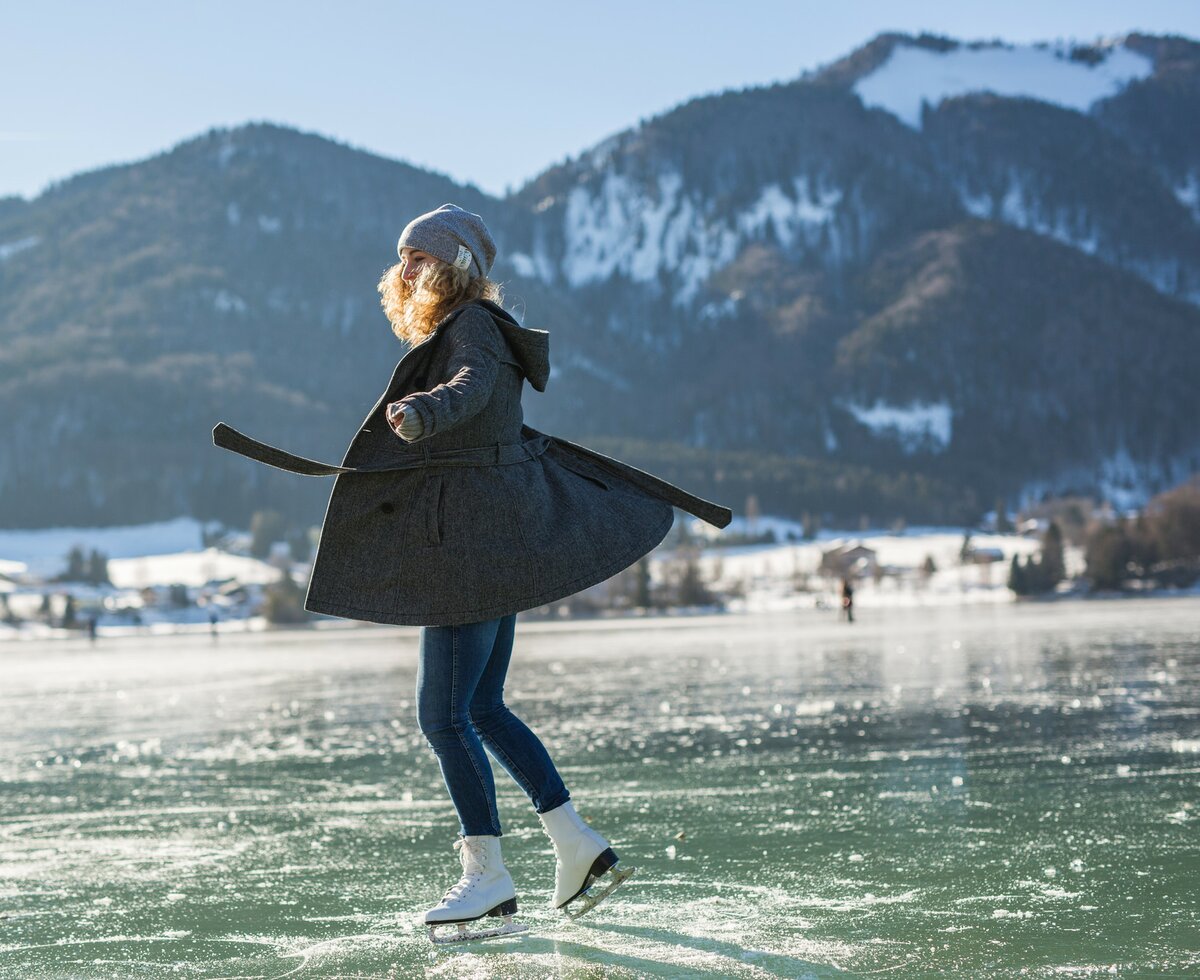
(912, 76)
(802, 797)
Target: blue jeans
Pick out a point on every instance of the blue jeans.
(460, 709)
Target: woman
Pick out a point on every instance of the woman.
(450, 513)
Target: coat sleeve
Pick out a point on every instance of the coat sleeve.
(474, 364)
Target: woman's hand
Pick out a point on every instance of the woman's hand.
(395, 417)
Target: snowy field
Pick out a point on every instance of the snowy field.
(769, 572)
(42, 551)
(759, 577)
(985, 790)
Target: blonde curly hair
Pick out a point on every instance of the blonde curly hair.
(415, 308)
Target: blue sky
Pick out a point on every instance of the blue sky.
(487, 93)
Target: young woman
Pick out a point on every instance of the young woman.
(450, 513)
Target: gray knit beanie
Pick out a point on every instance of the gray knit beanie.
(457, 237)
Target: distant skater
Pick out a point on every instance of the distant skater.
(847, 601)
(448, 512)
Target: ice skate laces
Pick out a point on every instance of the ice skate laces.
(470, 854)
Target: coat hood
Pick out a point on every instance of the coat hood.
(531, 347)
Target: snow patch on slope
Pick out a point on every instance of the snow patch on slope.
(9, 249)
(793, 216)
(1188, 194)
(1125, 481)
(227, 302)
(586, 364)
(912, 76)
(918, 425)
(1020, 207)
(620, 228)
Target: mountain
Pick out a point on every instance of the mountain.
(936, 271)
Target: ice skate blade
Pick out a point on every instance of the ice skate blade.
(464, 933)
(589, 898)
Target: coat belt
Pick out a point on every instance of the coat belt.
(500, 454)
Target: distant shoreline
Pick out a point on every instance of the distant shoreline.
(259, 626)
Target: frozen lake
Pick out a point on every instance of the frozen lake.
(951, 792)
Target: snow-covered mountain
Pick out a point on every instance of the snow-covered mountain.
(964, 269)
(1011, 133)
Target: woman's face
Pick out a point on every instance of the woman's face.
(413, 260)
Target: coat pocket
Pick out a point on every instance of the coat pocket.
(583, 470)
(431, 507)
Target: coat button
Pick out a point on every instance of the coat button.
(387, 507)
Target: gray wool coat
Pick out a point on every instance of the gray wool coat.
(482, 515)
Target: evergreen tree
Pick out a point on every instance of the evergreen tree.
(1053, 568)
(283, 601)
(1107, 556)
(266, 527)
(300, 545)
(76, 570)
(642, 583)
(68, 616)
(97, 568)
(1003, 524)
(1031, 576)
(1016, 577)
(692, 590)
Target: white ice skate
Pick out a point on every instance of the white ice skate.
(585, 867)
(485, 888)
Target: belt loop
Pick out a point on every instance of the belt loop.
(425, 450)
(498, 453)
